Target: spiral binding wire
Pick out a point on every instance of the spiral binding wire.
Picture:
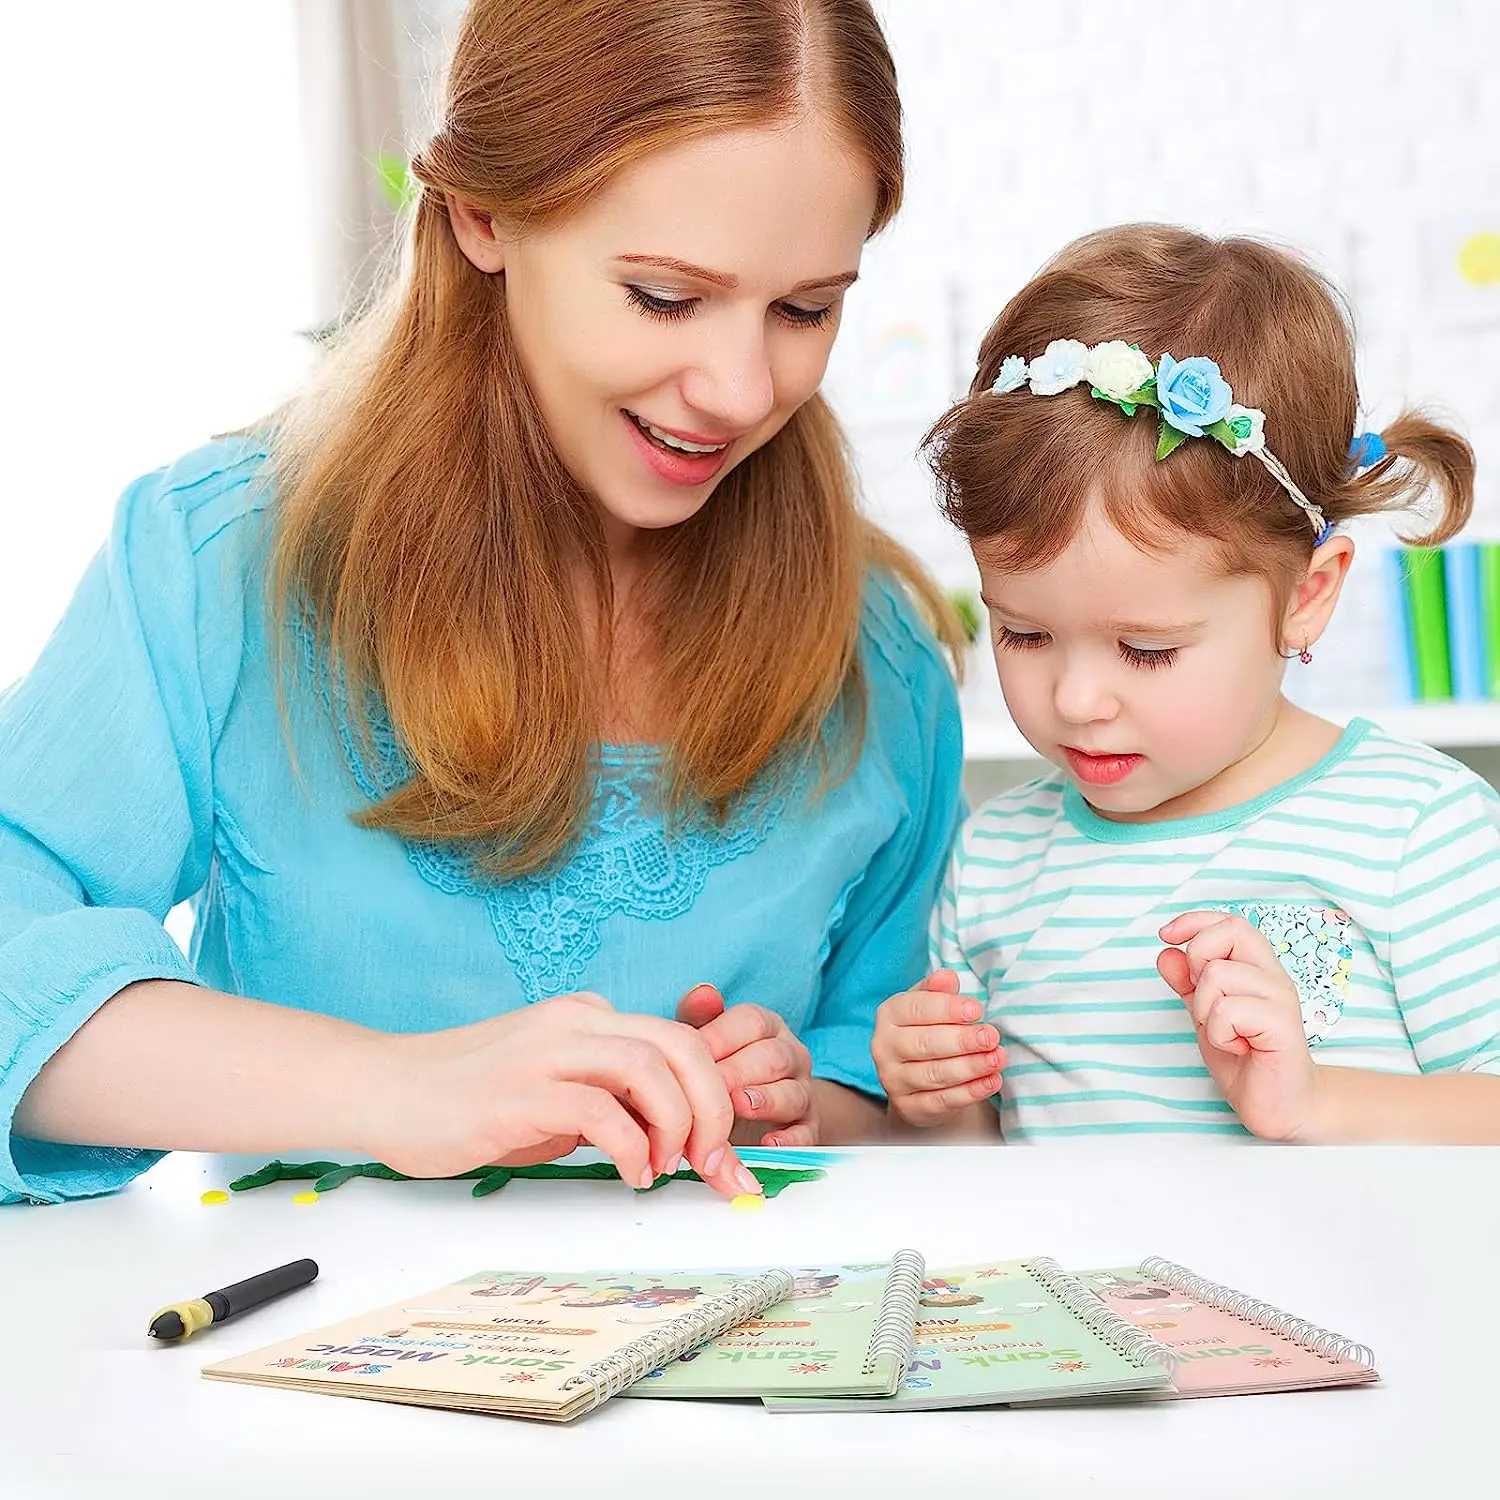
(635, 1360)
(1134, 1343)
(895, 1328)
(1320, 1341)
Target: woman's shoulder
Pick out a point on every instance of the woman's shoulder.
(203, 495)
(898, 637)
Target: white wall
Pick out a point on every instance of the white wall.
(153, 254)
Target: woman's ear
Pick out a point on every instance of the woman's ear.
(1317, 592)
(477, 233)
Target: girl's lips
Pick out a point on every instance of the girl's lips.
(674, 467)
(1100, 770)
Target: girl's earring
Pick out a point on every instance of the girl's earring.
(1305, 654)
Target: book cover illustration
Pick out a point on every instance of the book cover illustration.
(842, 1329)
(1008, 1331)
(1220, 1350)
(525, 1343)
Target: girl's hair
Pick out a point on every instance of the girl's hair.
(1017, 473)
(426, 527)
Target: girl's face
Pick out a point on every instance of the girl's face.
(674, 324)
(1146, 678)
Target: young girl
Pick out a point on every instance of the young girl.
(598, 684)
(1219, 914)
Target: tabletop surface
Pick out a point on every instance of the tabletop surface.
(1393, 1247)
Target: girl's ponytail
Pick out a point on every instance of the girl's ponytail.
(1422, 458)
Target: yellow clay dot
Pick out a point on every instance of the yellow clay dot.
(304, 1198)
(215, 1195)
(748, 1203)
(1479, 260)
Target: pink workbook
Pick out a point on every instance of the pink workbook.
(1227, 1343)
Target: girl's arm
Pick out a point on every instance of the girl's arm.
(1455, 1109)
(845, 1114)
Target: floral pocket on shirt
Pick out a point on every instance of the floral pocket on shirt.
(1312, 942)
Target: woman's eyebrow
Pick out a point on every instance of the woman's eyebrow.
(724, 279)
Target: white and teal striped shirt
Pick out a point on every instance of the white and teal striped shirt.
(1376, 875)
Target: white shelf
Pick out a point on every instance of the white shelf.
(1447, 726)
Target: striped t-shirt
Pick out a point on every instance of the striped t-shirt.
(1375, 874)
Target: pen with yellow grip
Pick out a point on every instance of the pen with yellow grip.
(182, 1320)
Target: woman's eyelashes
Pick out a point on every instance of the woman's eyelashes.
(1149, 658)
(670, 309)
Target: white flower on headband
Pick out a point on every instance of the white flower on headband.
(1116, 369)
(1012, 374)
(1248, 424)
(1058, 367)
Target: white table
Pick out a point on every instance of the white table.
(1397, 1248)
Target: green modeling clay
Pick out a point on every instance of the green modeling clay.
(327, 1175)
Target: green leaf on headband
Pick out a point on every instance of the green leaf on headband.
(1145, 395)
(1169, 440)
(1228, 433)
(1126, 406)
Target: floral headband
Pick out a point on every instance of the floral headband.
(1193, 398)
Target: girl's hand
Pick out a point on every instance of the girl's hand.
(766, 1069)
(534, 1084)
(932, 1060)
(1248, 1018)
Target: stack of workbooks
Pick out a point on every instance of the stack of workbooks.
(887, 1335)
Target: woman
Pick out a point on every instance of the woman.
(533, 667)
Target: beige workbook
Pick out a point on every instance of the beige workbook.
(512, 1343)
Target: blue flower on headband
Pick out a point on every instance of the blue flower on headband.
(1367, 450)
(1193, 395)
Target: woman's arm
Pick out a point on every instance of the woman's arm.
(171, 1066)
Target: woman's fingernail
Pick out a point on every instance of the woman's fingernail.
(746, 1180)
(988, 1039)
(714, 1162)
(754, 1098)
(970, 1010)
(646, 1179)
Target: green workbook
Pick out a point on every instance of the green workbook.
(842, 1330)
(1008, 1332)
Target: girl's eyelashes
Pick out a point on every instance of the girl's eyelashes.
(1021, 640)
(1144, 656)
(1147, 658)
(670, 309)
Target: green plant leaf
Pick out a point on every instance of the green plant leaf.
(1169, 440)
(966, 607)
(399, 186)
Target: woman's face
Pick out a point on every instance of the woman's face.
(674, 324)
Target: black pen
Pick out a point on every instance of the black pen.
(183, 1319)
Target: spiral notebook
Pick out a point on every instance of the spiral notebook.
(841, 1330)
(1007, 1332)
(512, 1343)
(1226, 1343)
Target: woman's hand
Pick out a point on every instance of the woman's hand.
(1248, 1017)
(767, 1071)
(534, 1084)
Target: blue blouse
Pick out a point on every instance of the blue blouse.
(144, 762)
